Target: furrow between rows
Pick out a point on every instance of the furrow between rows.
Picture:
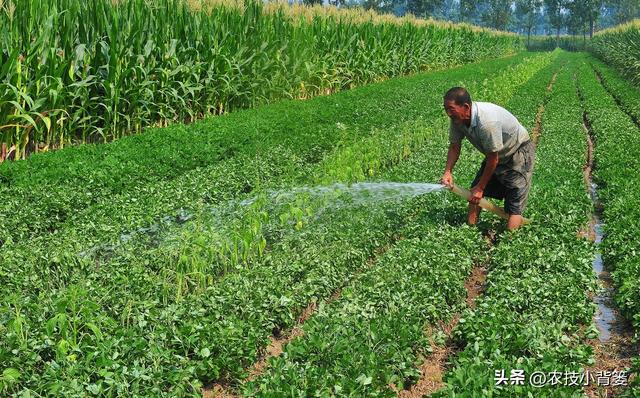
(328, 360)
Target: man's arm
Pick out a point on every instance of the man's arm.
(452, 157)
(477, 192)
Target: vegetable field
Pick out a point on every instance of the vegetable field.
(230, 256)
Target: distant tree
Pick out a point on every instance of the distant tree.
(423, 8)
(607, 16)
(583, 14)
(399, 7)
(575, 19)
(448, 11)
(624, 10)
(468, 9)
(382, 6)
(554, 9)
(497, 13)
(527, 13)
(539, 27)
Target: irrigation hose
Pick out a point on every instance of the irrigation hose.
(485, 204)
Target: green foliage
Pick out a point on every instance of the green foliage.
(423, 8)
(122, 301)
(583, 15)
(554, 11)
(548, 43)
(93, 71)
(619, 48)
(528, 11)
(498, 13)
(373, 335)
(531, 316)
(75, 182)
(113, 299)
(611, 106)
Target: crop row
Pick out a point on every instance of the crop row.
(374, 335)
(121, 331)
(617, 47)
(549, 43)
(533, 314)
(245, 306)
(77, 71)
(44, 257)
(373, 154)
(625, 95)
(112, 328)
(615, 149)
(53, 188)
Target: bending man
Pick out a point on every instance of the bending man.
(506, 170)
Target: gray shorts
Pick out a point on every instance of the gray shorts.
(512, 179)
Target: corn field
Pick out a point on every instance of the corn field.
(92, 71)
(565, 42)
(619, 48)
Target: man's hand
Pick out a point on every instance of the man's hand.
(452, 157)
(476, 194)
(447, 179)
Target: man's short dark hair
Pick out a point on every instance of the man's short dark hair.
(459, 95)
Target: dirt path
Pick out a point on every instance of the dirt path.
(279, 340)
(434, 367)
(535, 134)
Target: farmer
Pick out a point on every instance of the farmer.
(506, 170)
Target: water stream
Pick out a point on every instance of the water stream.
(356, 194)
(606, 317)
(324, 198)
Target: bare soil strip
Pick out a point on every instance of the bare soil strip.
(277, 343)
(434, 367)
(615, 348)
(588, 166)
(217, 391)
(535, 134)
(279, 340)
